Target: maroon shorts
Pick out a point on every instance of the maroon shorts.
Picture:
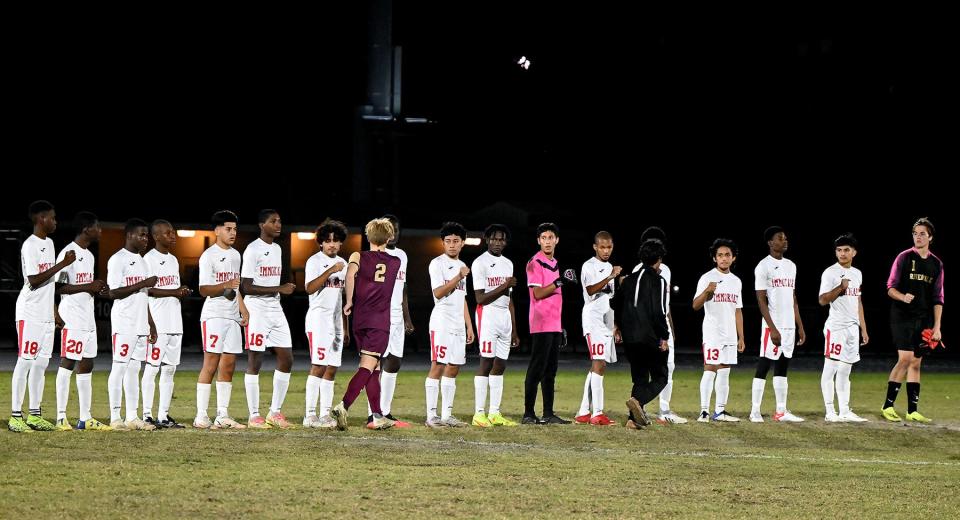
(371, 341)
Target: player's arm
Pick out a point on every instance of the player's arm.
(317, 283)
(38, 279)
(864, 338)
(486, 298)
(468, 322)
(796, 316)
(448, 288)
(514, 336)
(407, 320)
(597, 287)
(152, 338)
(704, 296)
(828, 297)
(352, 269)
(740, 342)
(244, 313)
(94, 287)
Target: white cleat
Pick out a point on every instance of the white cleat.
(224, 422)
(832, 417)
(756, 417)
(453, 422)
(202, 423)
(670, 417)
(786, 416)
(139, 424)
(119, 426)
(849, 416)
(704, 417)
(327, 423)
(311, 421)
(723, 416)
(435, 422)
(380, 422)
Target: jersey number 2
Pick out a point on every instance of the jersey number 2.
(380, 275)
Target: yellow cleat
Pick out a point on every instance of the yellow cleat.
(916, 417)
(498, 420)
(63, 425)
(890, 414)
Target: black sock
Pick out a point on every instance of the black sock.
(16, 413)
(892, 390)
(913, 396)
(35, 411)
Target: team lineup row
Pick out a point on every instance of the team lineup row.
(365, 297)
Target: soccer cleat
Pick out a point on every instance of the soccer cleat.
(704, 416)
(326, 423)
(311, 421)
(890, 414)
(170, 422)
(202, 423)
(602, 420)
(138, 424)
(225, 422)
(723, 416)
(756, 417)
(63, 425)
(786, 416)
(553, 419)
(379, 422)
(93, 424)
(434, 422)
(480, 419)
(632, 425)
(40, 424)
(531, 419)
(339, 413)
(119, 426)
(669, 417)
(498, 420)
(916, 417)
(18, 425)
(637, 411)
(258, 423)
(582, 419)
(397, 423)
(832, 417)
(453, 422)
(849, 416)
(150, 420)
(277, 419)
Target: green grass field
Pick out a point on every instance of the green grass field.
(812, 469)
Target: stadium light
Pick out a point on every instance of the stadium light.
(472, 241)
(186, 233)
(306, 235)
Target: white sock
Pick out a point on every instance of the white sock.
(585, 400)
(448, 390)
(63, 391)
(131, 388)
(432, 387)
(36, 381)
(326, 397)
(826, 384)
(203, 399)
(496, 393)
(85, 394)
(388, 385)
(252, 383)
(706, 389)
(780, 390)
(758, 386)
(224, 388)
(19, 384)
(843, 386)
(149, 384)
(313, 393)
(166, 390)
(722, 388)
(281, 381)
(596, 386)
(480, 384)
(115, 388)
(667, 393)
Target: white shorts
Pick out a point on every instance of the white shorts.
(166, 350)
(221, 336)
(35, 339)
(324, 338)
(128, 347)
(601, 345)
(773, 352)
(495, 331)
(397, 332)
(720, 355)
(268, 327)
(447, 347)
(78, 344)
(842, 344)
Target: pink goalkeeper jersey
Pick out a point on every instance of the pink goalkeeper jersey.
(545, 313)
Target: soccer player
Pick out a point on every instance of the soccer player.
(451, 328)
(845, 330)
(774, 281)
(371, 276)
(720, 294)
(597, 277)
(164, 355)
(34, 317)
(268, 327)
(129, 279)
(77, 287)
(327, 329)
(493, 284)
(916, 287)
(221, 320)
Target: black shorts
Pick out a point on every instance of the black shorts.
(906, 332)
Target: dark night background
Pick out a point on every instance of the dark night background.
(705, 123)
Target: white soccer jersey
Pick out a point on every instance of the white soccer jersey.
(396, 301)
(263, 263)
(720, 312)
(165, 311)
(36, 256)
(218, 265)
(447, 311)
(129, 315)
(845, 310)
(596, 307)
(330, 297)
(490, 272)
(777, 278)
(76, 310)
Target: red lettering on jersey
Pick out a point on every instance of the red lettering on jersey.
(132, 280)
(44, 267)
(269, 270)
(725, 298)
(782, 282)
(166, 281)
(84, 278)
(226, 276)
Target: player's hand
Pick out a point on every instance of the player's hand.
(98, 287)
(936, 334)
(740, 345)
(843, 286)
(231, 284)
(470, 337)
(244, 318)
(147, 283)
(510, 282)
(775, 337)
(864, 338)
(907, 298)
(337, 267)
(617, 336)
(59, 322)
(616, 271)
(464, 271)
(664, 346)
(288, 288)
(152, 338)
(69, 257)
(568, 277)
(408, 327)
(803, 337)
(514, 340)
(185, 291)
(346, 339)
(711, 288)
(347, 308)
